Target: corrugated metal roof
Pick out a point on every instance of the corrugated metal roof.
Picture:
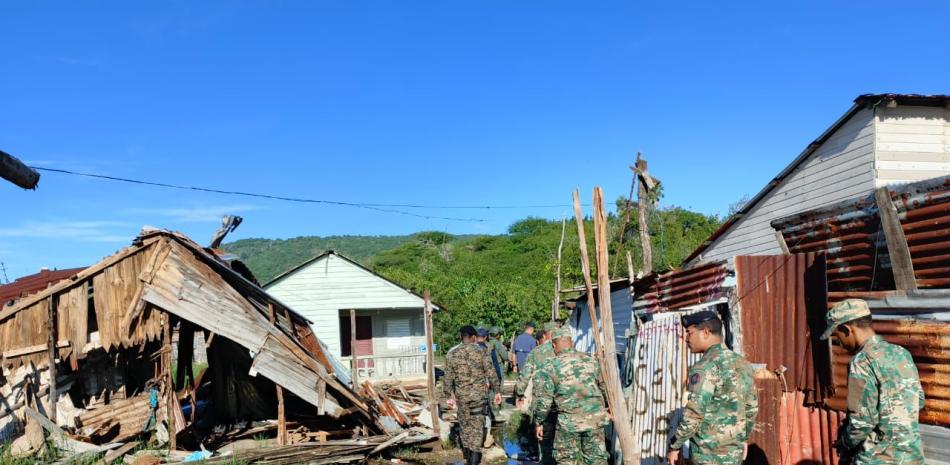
(782, 306)
(680, 289)
(33, 283)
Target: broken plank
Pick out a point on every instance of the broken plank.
(33, 349)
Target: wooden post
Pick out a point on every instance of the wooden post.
(281, 413)
(585, 268)
(556, 305)
(354, 363)
(643, 203)
(781, 242)
(51, 344)
(901, 262)
(615, 400)
(171, 400)
(13, 170)
(430, 365)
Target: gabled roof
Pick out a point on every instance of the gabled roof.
(861, 102)
(328, 253)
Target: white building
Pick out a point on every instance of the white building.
(882, 139)
(390, 328)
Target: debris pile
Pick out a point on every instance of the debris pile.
(102, 363)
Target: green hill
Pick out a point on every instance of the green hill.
(268, 258)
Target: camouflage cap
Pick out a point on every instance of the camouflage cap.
(843, 312)
(494, 330)
(550, 326)
(563, 332)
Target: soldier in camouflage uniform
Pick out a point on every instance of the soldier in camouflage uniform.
(723, 404)
(884, 393)
(469, 375)
(537, 359)
(572, 383)
(500, 349)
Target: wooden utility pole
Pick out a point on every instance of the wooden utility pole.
(430, 365)
(556, 305)
(618, 405)
(643, 203)
(281, 412)
(354, 368)
(13, 170)
(51, 344)
(585, 268)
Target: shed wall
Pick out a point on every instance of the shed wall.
(622, 310)
(840, 169)
(913, 143)
(321, 289)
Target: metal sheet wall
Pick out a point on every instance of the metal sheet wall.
(782, 303)
(850, 234)
(924, 212)
(660, 363)
(788, 431)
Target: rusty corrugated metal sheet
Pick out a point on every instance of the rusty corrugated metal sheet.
(789, 431)
(782, 307)
(764, 445)
(924, 212)
(660, 363)
(850, 234)
(33, 283)
(681, 288)
(807, 434)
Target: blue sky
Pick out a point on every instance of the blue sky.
(461, 103)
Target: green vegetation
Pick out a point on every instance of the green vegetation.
(271, 257)
(500, 280)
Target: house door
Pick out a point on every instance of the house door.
(364, 338)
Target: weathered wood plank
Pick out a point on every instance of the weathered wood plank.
(901, 263)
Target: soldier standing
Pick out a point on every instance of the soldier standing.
(537, 359)
(500, 349)
(723, 404)
(572, 383)
(884, 392)
(469, 376)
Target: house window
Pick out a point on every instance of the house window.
(398, 332)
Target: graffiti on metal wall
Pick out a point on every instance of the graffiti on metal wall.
(658, 370)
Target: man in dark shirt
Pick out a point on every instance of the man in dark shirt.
(523, 345)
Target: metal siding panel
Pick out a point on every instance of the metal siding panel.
(783, 305)
(657, 394)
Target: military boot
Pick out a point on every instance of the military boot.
(475, 458)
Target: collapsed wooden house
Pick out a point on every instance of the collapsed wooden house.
(93, 354)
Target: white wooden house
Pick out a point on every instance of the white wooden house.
(882, 139)
(390, 328)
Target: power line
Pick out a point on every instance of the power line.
(368, 206)
(306, 200)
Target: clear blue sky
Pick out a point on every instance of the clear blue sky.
(472, 103)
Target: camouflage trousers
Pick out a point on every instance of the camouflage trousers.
(472, 425)
(580, 448)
